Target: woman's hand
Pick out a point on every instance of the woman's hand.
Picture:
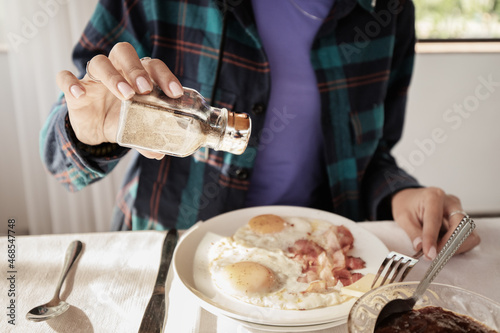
(424, 214)
(94, 106)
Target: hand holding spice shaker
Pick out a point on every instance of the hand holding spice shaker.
(180, 126)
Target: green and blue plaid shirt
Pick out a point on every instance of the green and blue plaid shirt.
(363, 59)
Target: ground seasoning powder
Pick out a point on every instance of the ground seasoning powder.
(180, 126)
(161, 131)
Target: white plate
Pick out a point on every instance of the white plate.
(283, 329)
(191, 266)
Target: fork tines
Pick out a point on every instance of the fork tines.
(394, 265)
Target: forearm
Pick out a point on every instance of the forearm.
(383, 177)
(382, 180)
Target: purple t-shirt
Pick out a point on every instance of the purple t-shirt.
(289, 163)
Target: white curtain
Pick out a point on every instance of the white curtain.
(41, 35)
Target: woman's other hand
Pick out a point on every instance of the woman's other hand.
(424, 214)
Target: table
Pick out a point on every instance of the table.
(114, 277)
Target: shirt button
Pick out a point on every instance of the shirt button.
(241, 173)
(258, 108)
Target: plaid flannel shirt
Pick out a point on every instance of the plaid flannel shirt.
(363, 59)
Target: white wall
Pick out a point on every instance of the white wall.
(462, 156)
(451, 137)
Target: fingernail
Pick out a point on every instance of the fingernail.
(417, 243)
(125, 90)
(432, 253)
(176, 89)
(76, 91)
(143, 85)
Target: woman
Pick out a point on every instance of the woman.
(324, 82)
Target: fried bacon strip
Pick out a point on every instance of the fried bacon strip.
(324, 267)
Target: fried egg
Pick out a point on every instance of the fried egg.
(242, 271)
(247, 277)
(273, 232)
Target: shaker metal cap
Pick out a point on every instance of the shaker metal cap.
(237, 134)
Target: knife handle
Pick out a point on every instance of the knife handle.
(154, 316)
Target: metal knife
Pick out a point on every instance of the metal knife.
(154, 315)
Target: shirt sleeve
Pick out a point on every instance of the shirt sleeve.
(64, 158)
(70, 161)
(384, 177)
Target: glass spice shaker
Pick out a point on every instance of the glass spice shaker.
(180, 126)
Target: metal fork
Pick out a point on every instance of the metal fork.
(394, 264)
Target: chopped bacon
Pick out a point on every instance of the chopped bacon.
(346, 238)
(355, 277)
(332, 240)
(306, 252)
(347, 277)
(339, 260)
(324, 267)
(354, 263)
(338, 238)
(326, 270)
(306, 246)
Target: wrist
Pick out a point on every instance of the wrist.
(100, 150)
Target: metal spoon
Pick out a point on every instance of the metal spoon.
(400, 305)
(56, 306)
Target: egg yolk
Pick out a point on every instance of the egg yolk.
(249, 277)
(266, 224)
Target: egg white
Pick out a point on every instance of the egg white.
(295, 228)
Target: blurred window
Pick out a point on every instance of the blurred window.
(457, 19)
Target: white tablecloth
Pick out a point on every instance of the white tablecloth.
(114, 277)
